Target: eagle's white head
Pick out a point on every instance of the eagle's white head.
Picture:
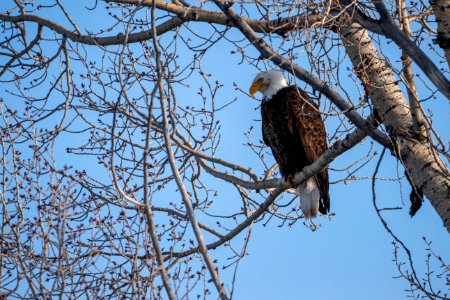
(268, 83)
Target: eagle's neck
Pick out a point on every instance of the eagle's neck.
(273, 88)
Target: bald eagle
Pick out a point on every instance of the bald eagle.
(293, 128)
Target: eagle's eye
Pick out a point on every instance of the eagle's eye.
(260, 80)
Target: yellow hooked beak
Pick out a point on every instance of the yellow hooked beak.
(256, 86)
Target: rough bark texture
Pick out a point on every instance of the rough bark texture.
(377, 77)
(429, 174)
(425, 167)
(441, 10)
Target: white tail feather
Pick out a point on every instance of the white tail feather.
(309, 197)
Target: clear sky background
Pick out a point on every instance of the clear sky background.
(351, 255)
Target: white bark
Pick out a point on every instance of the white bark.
(441, 9)
(429, 174)
(424, 166)
(377, 77)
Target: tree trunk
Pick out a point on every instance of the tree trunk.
(422, 164)
(441, 10)
(429, 174)
(377, 77)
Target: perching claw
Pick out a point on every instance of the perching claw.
(289, 179)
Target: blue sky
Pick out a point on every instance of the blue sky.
(349, 256)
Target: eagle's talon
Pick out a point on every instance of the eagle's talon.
(289, 179)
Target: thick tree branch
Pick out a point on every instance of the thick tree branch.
(420, 58)
(304, 75)
(184, 14)
(441, 12)
(424, 167)
(418, 162)
(278, 184)
(203, 15)
(281, 25)
(388, 28)
(325, 159)
(118, 39)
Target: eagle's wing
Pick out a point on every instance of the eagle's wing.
(264, 117)
(307, 126)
